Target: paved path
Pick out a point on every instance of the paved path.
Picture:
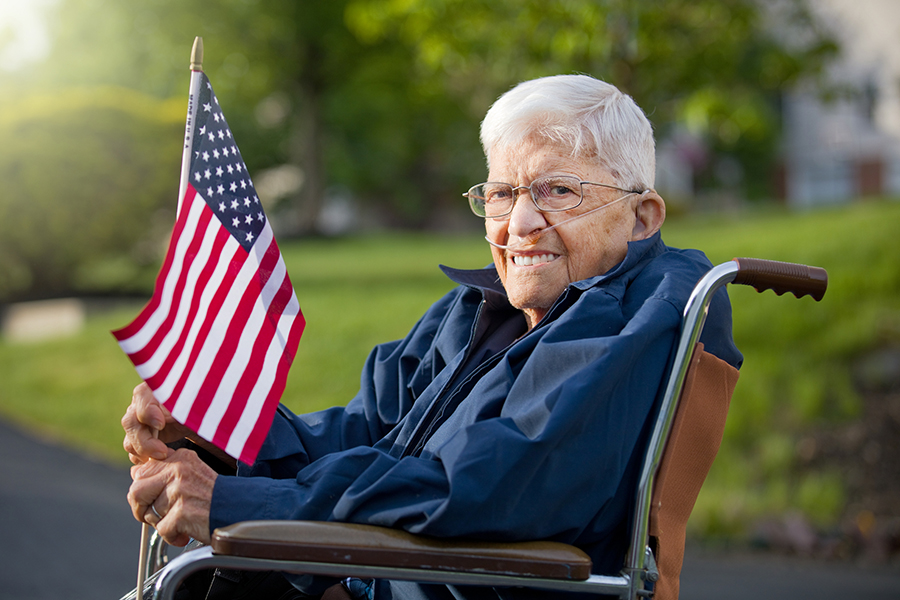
(67, 533)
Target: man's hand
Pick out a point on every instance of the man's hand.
(143, 421)
(179, 489)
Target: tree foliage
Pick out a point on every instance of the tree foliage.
(68, 221)
(714, 66)
(382, 98)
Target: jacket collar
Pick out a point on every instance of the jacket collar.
(485, 280)
(638, 252)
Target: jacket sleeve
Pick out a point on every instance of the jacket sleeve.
(562, 415)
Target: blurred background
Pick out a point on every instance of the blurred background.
(778, 134)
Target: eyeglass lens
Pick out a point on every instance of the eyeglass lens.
(555, 193)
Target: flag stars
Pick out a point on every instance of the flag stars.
(218, 164)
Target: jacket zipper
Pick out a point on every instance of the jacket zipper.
(423, 431)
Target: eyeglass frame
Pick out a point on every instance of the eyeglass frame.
(515, 196)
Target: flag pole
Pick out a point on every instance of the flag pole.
(193, 99)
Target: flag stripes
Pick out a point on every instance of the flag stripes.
(218, 336)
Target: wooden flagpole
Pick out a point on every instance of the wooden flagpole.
(193, 99)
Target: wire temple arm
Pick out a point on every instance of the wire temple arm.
(781, 277)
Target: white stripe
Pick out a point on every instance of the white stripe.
(218, 275)
(151, 366)
(241, 358)
(213, 341)
(253, 410)
(145, 334)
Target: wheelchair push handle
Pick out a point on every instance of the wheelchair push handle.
(781, 277)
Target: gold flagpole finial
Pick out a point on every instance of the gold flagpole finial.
(197, 54)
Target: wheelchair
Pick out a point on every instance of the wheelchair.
(683, 443)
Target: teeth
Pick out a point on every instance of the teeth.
(530, 261)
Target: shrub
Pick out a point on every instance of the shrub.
(86, 175)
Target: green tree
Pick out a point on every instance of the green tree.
(716, 66)
(69, 222)
(298, 87)
(383, 97)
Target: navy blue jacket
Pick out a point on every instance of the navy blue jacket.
(540, 439)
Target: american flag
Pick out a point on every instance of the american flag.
(219, 334)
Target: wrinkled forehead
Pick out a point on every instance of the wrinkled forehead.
(538, 154)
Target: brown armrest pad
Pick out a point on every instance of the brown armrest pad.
(348, 543)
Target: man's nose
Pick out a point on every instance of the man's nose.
(525, 217)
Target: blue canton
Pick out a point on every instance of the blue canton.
(219, 174)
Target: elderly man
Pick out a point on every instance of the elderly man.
(517, 406)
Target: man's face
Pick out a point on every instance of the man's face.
(536, 273)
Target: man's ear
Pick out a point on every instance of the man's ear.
(649, 213)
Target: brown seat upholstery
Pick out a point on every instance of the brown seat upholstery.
(349, 543)
(689, 453)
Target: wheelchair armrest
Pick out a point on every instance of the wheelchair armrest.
(369, 545)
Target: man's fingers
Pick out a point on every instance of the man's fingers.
(142, 421)
(142, 493)
(142, 444)
(157, 511)
(180, 491)
(148, 410)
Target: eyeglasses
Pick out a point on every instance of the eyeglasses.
(554, 193)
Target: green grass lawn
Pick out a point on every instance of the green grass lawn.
(361, 291)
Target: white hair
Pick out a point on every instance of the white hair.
(590, 116)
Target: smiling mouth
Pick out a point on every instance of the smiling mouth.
(534, 260)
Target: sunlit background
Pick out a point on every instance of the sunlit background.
(778, 133)
(362, 114)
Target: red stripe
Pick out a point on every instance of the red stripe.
(218, 300)
(242, 313)
(221, 236)
(267, 413)
(255, 364)
(141, 320)
(145, 353)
